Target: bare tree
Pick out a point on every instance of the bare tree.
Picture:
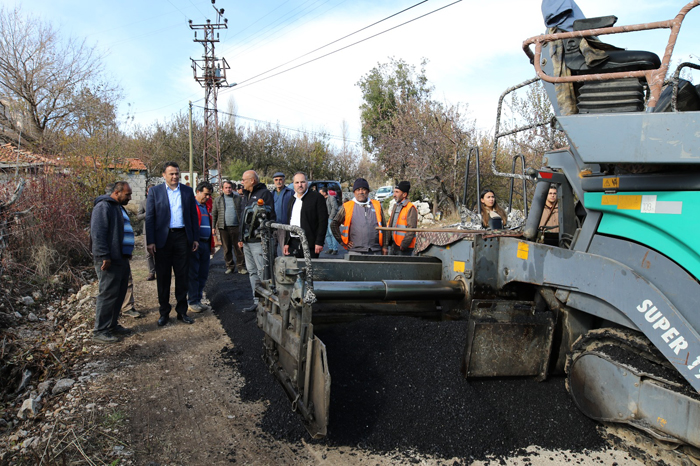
(45, 81)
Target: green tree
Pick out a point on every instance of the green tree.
(235, 168)
(412, 136)
(385, 89)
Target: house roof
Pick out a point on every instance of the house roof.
(10, 157)
(136, 164)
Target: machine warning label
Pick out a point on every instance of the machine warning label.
(523, 250)
(611, 183)
(458, 266)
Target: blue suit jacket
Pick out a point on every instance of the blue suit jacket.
(158, 215)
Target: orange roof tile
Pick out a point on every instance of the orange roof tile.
(9, 156)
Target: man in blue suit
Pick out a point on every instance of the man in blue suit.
(172, 231)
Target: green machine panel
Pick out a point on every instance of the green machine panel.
(668, 222)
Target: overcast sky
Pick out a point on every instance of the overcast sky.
(473, 47)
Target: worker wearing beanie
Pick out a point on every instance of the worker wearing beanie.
(355, 224)
(405, 215)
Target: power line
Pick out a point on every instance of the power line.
(259, 19)
(273, 32)
(337, 40)
(293, 14)
(342, 48)
(289, 128)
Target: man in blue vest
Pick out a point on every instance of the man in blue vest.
(199, 259)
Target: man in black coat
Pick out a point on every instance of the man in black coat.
(306, 209)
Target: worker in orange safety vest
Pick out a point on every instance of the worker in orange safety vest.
(355, 224)
(404, 214)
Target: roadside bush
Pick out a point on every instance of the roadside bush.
(47, 229)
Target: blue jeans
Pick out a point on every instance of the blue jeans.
(330, 239)
(198, 272)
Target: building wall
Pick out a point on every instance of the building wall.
(137, 181)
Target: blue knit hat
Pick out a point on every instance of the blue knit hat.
(360, 183)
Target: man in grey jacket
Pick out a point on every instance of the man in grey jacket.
(225, 214)
(332, 207)
(112, 238)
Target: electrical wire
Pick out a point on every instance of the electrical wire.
(289, 128)
(259, 19)
(337, 40)
(340, 49)
(292, 15)
(274, 33)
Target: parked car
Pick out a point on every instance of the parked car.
(384, 192)
(330, 185)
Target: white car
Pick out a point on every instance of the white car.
(384, 192)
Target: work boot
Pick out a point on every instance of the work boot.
(228, 271)
(196, 308)
(104, 337)
(243, 271)
(132, 313)
(121, 330)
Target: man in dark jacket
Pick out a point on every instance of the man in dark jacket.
(282, 194)
(112, 239)
(227, 222)
(253, 190)
(307, 209)
(172, 232)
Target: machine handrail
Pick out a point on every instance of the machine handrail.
(655, 78)
(472, 149)
(309, 296)
(512, 183)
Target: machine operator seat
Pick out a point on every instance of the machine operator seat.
(590, 56)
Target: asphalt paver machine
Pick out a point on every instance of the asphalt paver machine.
(613, 301)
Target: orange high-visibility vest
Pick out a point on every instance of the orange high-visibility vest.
(345, 227)
(403, 222)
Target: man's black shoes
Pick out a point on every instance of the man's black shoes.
(163, 320)
(185, 319)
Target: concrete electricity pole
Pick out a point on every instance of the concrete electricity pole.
(210, 73)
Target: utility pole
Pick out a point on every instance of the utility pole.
(191, 164)
(210, 73)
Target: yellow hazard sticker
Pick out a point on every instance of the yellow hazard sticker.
(609, 199)
(631, 202)
(611, 183)
(458, 266)
(523, 250)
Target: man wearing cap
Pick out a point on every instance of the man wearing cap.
(282, 194)
(404, 215)
(355, 224)
(227, 223)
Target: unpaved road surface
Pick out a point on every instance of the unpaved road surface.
(186, 400)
